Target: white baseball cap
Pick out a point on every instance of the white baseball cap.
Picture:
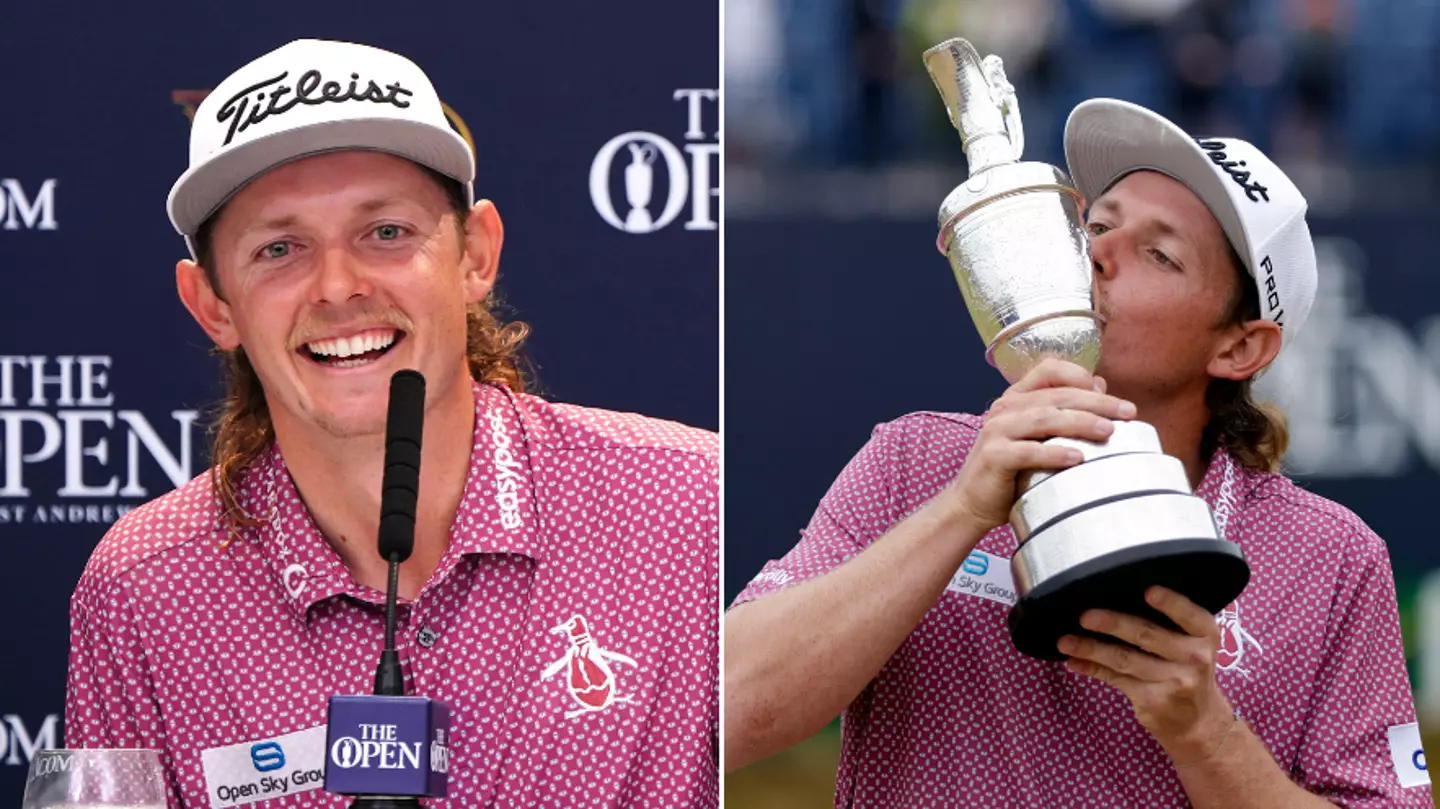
(1258, 207)
(304, 98)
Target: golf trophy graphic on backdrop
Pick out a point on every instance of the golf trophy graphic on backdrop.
(639, 185)
(1098, 534)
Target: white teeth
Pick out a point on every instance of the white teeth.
(351, 346)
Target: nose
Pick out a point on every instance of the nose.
(1102, 256)
(337, 277)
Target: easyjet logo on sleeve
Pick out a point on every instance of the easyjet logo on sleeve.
(507, 472)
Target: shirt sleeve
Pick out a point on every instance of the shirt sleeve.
(865, 501)
(110, 701)
(1363, 691)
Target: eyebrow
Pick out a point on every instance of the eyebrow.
(371, 206)
(1160, 225)
(278, 223)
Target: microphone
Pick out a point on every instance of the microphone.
(399, 492)
(389, 748)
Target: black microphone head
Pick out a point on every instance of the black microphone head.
(400, 487)
(406, 416)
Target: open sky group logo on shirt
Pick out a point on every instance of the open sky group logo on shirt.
(264, 769)
(984, 575)
(588, 675)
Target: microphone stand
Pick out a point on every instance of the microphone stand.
(389, 678)
(397, 539)
(389, 682)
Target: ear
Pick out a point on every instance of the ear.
(1246, 350)
(212, 313)
(484, 236)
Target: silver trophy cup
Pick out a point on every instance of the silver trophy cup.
(1098, 534)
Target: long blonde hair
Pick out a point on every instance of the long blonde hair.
(1255, 433)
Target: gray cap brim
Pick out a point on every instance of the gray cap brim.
(1106, 139)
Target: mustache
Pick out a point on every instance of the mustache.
(324, 324)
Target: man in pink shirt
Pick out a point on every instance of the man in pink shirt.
(892, 607)
(562, 597)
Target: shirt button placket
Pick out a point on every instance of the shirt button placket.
(420, 638)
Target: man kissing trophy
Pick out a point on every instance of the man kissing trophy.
(1098, 534)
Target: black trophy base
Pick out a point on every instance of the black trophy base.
(385, 803)
(1210, 572)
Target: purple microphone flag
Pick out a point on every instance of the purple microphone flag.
(396, 746)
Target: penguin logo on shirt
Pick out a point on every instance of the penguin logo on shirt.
(1233, 640)
(588, 674)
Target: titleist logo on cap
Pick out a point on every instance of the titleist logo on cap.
(307, 90)
(1215, 150)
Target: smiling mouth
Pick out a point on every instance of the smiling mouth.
(354, 351)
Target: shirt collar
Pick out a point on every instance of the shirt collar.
(497, 511)
(302, 564)
(1221, 487)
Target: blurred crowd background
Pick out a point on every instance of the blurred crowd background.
(1309, 81)
(840, 313)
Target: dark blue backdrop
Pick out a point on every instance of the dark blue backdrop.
(621, 320)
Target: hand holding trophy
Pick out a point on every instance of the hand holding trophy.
(1098, 534)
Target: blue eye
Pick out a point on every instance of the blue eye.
(276, 249)
(388, 233)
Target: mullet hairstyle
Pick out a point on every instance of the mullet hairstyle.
(1255, 433)
(242, 430)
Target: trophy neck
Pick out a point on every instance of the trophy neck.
(987, 150)
(970, 97)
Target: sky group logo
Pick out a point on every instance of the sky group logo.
(267, 756)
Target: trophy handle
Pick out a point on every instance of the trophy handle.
(1003, 93)
(645, 153)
